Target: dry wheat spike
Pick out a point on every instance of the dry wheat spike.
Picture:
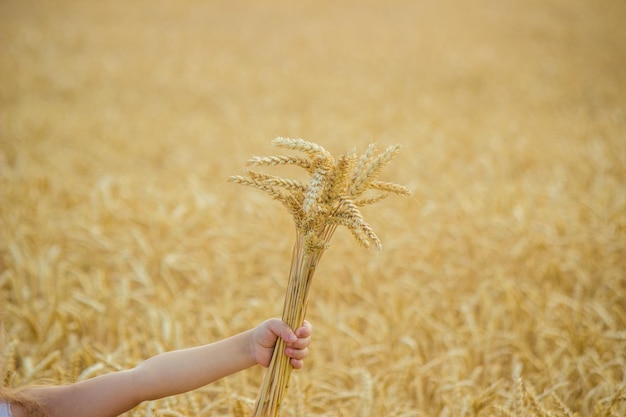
(334, 192)
(331, 198)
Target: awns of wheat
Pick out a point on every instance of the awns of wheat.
(332, 197)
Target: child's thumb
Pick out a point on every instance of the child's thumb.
(281, 329)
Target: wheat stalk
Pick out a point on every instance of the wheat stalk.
(331, 198)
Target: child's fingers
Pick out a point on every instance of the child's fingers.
(298, 349)
(305, 330)
(300, 343)
(296, 363)
(297, 354)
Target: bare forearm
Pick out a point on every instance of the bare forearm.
(163, 375)
(171, 373)
(184, 370)
(103, 396)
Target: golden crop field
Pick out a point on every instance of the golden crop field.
(501, 286)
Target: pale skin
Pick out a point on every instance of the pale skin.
(172, 373)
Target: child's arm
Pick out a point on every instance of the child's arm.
(172, 373)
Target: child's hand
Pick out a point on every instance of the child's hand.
(265, 335)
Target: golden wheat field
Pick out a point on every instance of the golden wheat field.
(500, 289)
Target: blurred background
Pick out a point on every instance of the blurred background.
(120, 237)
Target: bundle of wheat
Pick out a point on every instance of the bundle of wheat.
(330, 199)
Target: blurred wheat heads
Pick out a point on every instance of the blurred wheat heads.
(332, 197)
